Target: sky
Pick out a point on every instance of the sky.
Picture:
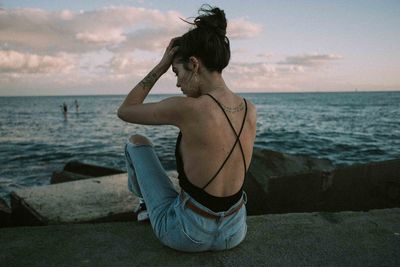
(106, 47)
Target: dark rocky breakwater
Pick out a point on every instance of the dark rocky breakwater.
(282, 183)
(276, 183)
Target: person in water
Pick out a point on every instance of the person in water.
(64, 108)
(213, 149)
(76, 106)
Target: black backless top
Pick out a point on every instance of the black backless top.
(214, 203)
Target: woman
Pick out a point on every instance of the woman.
(213, 149)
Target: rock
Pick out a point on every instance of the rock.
(64, 176)
(278, 182)
(374, 185)
(286, 194)
(5, 214)
(75, 170)
(268, 164)
(101, 199)
(275, 183)
(90, 169)
(80, 201)
(281, 183)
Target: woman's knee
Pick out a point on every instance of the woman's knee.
(138, 139)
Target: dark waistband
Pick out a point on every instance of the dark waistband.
(216, 204)
(189, 204)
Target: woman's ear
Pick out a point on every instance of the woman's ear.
(194, 63)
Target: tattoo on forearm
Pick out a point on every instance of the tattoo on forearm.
(149, 80)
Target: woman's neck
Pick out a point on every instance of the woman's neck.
(212, 82)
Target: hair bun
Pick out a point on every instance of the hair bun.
(211, 18)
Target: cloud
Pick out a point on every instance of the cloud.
(258, 68)
(118, 29)
(127, 41)
(291, 69)
(265, 55)
(78, 32)
(113, 37)
(262, 76)
(242, 29)
(16, 62)
(127, 64)
(310, 60)
(153, 40)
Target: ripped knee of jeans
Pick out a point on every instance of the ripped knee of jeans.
(139, 140)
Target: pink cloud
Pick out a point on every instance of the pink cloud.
(16, 62)
(310, 60)
(127, 64)
(105, 37)
(242, 29)
(109, 27)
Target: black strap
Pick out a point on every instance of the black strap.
(237, 140)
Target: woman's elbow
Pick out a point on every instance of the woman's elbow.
(120, 114)
(126, 115)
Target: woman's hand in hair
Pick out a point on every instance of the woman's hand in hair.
(168, 56)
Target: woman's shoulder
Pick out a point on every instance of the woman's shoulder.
(191, 104)
(251, 109)
(179, 102)
(188, 108)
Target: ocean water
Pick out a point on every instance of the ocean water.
(37, 139)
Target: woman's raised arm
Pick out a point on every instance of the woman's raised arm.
(133, 110)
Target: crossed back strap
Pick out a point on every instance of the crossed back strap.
(237, 140)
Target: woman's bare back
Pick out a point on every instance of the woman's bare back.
(208, 138)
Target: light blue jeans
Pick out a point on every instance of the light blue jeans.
(174, 224)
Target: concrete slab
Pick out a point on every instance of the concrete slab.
(78, 201)
(301, 239)
(90, 200)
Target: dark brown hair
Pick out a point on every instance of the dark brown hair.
(207, 40)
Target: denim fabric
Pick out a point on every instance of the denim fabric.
(174, 224)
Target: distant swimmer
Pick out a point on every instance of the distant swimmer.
(76, 106)
(65, 108)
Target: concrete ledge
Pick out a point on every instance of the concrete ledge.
(78, 201)
(101, 199)
(300, 239)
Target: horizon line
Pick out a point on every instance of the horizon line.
(270, 92)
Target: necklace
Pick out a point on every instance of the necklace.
(238, 108)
